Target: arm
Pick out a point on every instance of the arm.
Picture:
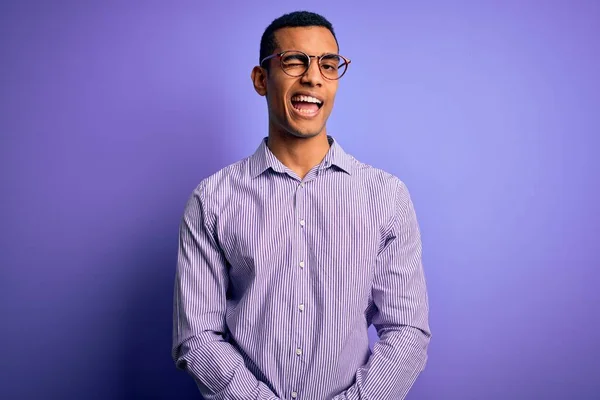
(199, 313)
(401, 319)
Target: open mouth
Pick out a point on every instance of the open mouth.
(307, 105)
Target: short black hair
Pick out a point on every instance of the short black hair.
(268, 44)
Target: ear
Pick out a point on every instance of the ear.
(259, 79)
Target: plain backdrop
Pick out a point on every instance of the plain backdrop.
(112, 112)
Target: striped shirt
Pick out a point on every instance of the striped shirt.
(278, 279)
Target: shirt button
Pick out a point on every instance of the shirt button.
(299, 351)
(302, 222)
(294, 395)
(301, 264)
(301, 307)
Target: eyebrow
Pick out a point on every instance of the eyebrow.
(314, 55)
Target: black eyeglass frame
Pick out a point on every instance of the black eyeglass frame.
(346, 63)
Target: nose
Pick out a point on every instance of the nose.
(313, 76)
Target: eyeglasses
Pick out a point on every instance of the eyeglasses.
(295, 63)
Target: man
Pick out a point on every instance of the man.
(288, 256)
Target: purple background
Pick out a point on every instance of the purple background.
(112, 113)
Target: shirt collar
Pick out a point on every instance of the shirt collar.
(263, 159)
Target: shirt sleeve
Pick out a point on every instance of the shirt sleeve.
(199, 311)
(401, 317)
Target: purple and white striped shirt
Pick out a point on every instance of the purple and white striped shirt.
(278, 279)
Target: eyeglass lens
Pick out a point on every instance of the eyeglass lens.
(294, 63)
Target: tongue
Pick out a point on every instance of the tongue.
(305, 106)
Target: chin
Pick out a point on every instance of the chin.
(299, 129)
(305, 129)
(304, 133)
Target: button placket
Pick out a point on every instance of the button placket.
(299, 296)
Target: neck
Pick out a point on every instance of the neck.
(299, 154)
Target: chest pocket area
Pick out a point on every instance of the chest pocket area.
(344, 256)
(254, 242)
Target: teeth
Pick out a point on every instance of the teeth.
(304, 111)
(307, 99)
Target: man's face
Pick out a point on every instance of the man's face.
(290, 112)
